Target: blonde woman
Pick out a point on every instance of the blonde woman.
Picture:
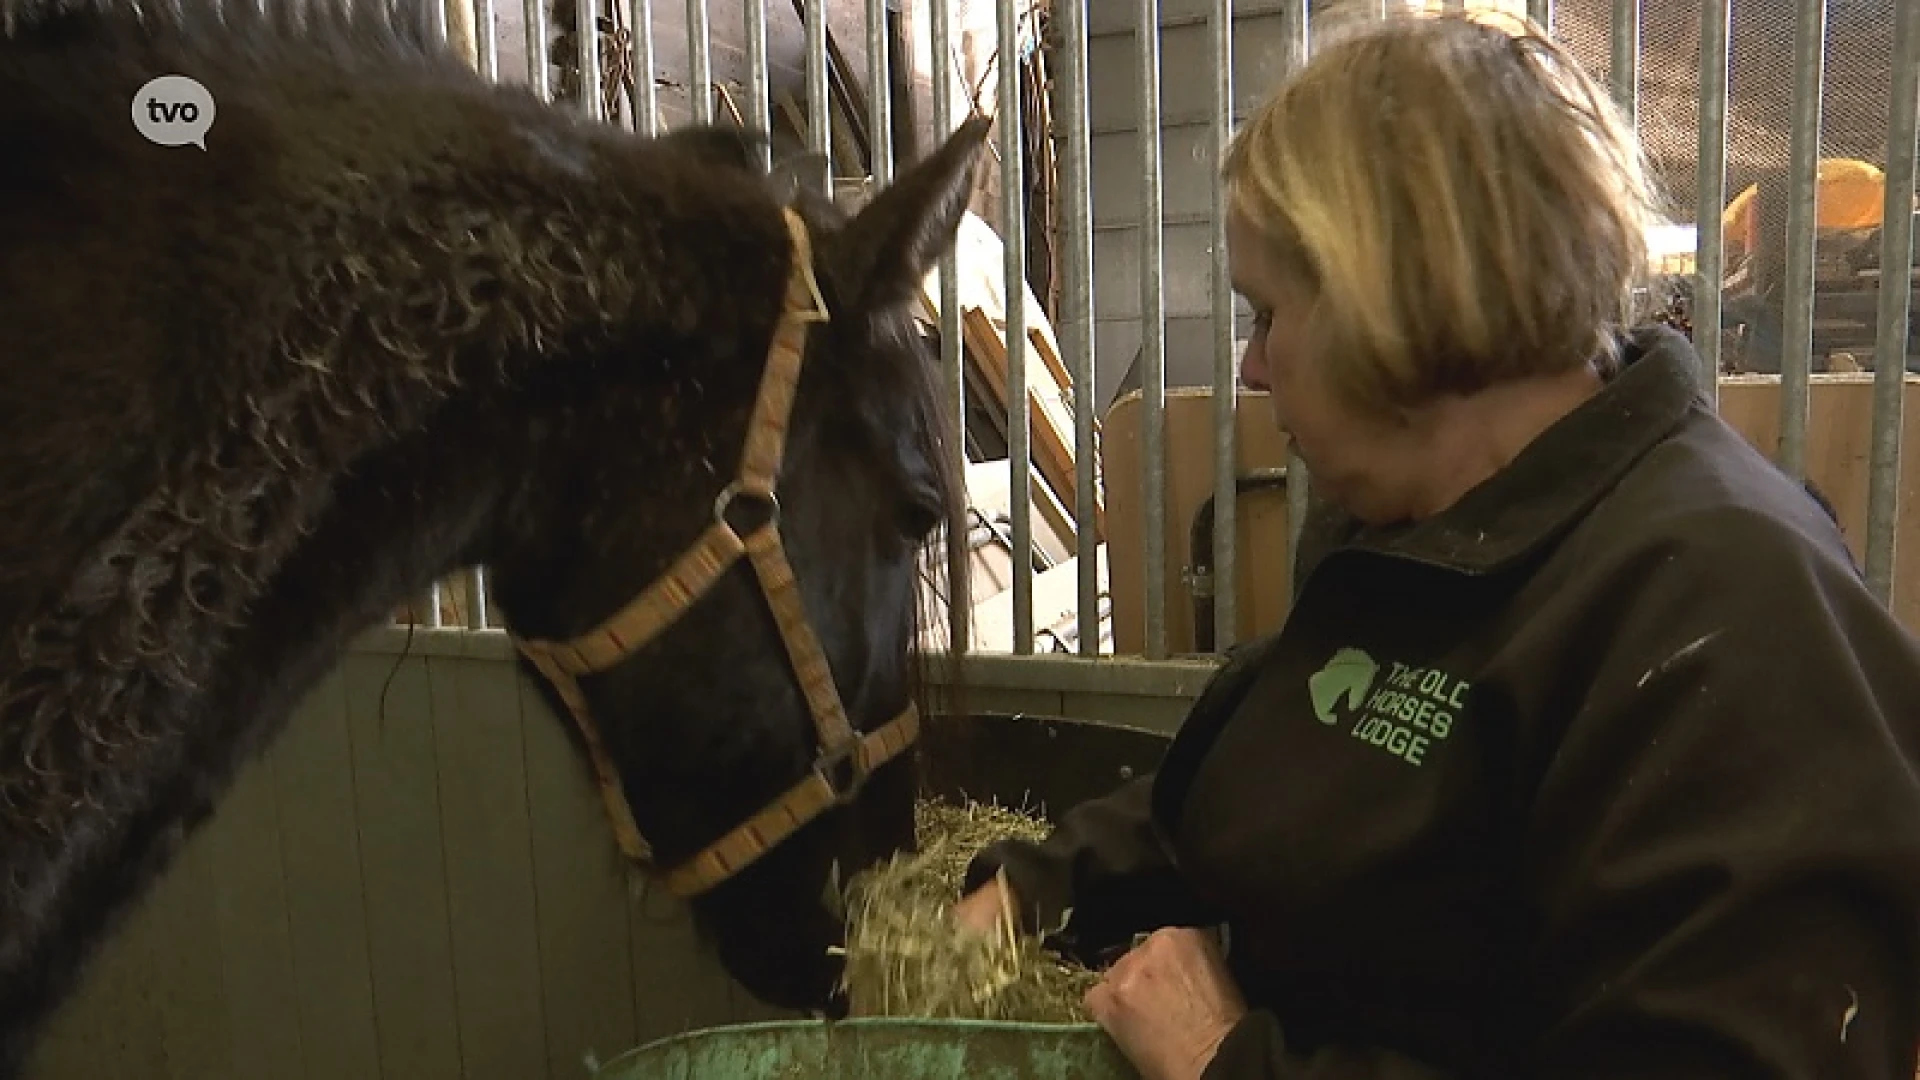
(1584, 751)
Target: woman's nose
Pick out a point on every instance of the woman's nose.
(1253, 364)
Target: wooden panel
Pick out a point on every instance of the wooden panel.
(185, 967)
(250, 904)
(586, 972)
(402, 864)
(326, 905)
(1261, 535)
(1838, 443)
(489, 857)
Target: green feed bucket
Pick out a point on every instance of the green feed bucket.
(878, 1049)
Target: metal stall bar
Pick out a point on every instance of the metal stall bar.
(1541, 12)
(538, 67)
(1709, 254)
(819, 135)
(1895, 302)
(699, 63)
(436, 592)
(1013, 241)
(1076, 308)
(952, 357)
(1153, 321)
(1299, 38)
(1624, 69)
(588, 36)
(1796, 343)
(646, 99)
(759, 86)
(1224, 585)
(879, 95)
(486, 40)
(477, 600)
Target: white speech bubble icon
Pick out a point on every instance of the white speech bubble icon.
(173, 110)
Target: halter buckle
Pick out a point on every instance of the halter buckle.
(843, 771)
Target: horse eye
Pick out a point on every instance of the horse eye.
(923, 514)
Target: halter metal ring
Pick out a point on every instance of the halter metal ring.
(724, 502)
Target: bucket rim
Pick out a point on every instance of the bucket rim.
(1082, 1028)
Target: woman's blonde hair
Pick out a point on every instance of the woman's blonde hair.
(1464, 203)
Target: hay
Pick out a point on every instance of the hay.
(905, 956)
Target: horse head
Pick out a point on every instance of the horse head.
(735, 638)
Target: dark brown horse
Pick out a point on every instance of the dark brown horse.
(393, 321)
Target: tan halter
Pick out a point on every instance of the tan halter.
(663, 601)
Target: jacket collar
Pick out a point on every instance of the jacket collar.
(1563, 472)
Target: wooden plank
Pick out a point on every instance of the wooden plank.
(131, 1027)
(1261, 527)
(184, 957)
(679, 984)
(403, 866)
(71, 1048)
(1839, 447)
(1055, 602)
(489, 858)
(1051, 452)
(326, 903)
(250, 904)
(580, 889)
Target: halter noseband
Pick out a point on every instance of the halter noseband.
(846, 757)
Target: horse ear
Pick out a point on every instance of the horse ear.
(796, 173)
(886, 251)
(714, 144)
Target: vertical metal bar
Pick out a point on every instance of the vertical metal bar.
(819, 135)
(1153, 319)
(699, 63)
(646, 96)
(486, 38)
(539, 67)
(1796, 339)
(1076, 309)
(1013, 238)
(759, 86)
(1225, 584)
(589, 40)
(1895, 304)
(952, 357)
(879, 94)
(440, 22)
(477, 598)
(435, 617)
(1541, 12)
(1299, 37)
(1709, 253)
(1624, 71)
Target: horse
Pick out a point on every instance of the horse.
(388, 320)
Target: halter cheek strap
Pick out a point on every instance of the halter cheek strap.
(846, 757)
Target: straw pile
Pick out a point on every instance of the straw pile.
(905, 955)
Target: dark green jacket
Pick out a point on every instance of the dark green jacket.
(1608, 771)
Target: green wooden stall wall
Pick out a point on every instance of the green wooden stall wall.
(430, 891)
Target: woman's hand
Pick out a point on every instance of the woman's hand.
(981, 909)
(1169, 1003)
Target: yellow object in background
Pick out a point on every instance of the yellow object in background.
(1851, 195)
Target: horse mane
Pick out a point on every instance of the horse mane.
(209, 340)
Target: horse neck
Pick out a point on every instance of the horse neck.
(392, 526)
